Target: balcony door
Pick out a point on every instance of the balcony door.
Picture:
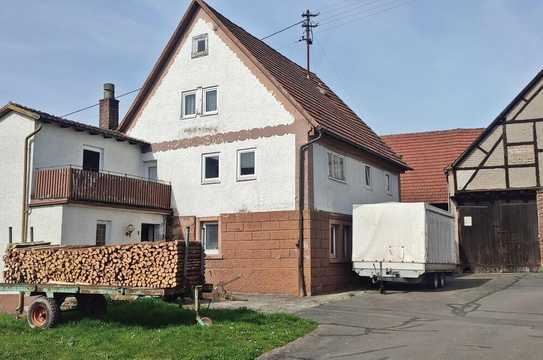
(92, 158)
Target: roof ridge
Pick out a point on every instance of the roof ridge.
(433, 132)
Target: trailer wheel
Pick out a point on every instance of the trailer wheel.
(44, 313)
(433, 281)
(442, 280)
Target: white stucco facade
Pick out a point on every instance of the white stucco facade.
(244, 103)
(55, 146)
(272, 189)
(13, 130)
(72, 224)
(339, 196)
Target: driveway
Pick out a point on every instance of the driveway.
(475, 317)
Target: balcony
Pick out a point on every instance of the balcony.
(73, 184)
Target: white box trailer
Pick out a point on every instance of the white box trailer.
(406, 242)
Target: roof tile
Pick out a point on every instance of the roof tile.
(429, 154)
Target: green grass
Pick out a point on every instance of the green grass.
(151, 329)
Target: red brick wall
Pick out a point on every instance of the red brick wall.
(258, 252)
(328, 274)
(539, 199)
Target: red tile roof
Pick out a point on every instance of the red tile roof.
(321, 105)
(429, 154)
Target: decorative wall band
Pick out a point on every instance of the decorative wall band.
(221, 138)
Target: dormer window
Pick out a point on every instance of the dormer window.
(199, 45)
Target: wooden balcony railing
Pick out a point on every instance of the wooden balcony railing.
(75, 184)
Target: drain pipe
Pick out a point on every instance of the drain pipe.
(301, 205)
(24, 230)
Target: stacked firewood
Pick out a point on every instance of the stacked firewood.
(148, 265)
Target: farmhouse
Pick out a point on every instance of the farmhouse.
(257, 158)
(495, 189)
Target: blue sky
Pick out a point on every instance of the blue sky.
(424, 65)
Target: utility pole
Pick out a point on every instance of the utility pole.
(308, 26)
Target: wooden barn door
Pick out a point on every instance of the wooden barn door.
(499, 236)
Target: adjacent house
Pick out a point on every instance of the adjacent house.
(83, 184)
(264, 160)
(429, 153)
(495, 189)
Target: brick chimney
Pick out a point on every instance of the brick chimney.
(109, 108)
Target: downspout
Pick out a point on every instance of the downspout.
(24, 230)
(301, 205)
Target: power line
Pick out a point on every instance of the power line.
(362, 12)
(133, 91)
(283, 29)
(348, 11)
(335, 25)
(94, 105)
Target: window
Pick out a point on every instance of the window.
(367, 176)
(333, 238)
(10, 235)
(102, 232)
(388, 188)
(32, 234)
(347, 242)
(152, 173)
(150, 232)
(189, 104)
(336, 169)
(210, 237)
(210, 101)
(246, 164)
(199, 46)
(91, 159)
(210, 168)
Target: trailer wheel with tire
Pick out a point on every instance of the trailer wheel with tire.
(43, 313)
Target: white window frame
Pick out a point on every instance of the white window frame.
(183, 95)
(332, 169)
(148, 165)
(370, 186)
(203, 237)
(194, 52)
(334, 229)
(245, 177)
(204, 93)
(203, 166)
(99, 150)
(388, 186)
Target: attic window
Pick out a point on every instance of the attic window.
(199, 46)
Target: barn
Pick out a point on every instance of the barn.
(495, 189)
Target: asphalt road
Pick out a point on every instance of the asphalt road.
(474, 317)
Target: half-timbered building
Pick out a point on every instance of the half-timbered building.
(495, 188)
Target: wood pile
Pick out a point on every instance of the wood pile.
(148, 265)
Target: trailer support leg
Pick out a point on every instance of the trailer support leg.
(20, 305)
(381, 283)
